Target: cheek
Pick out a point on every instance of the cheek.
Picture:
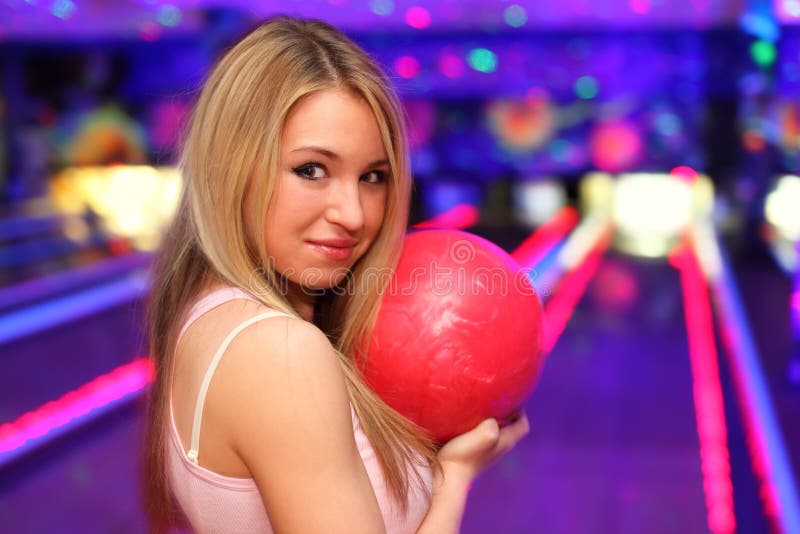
(375, 211)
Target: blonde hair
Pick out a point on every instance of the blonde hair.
(234, 135)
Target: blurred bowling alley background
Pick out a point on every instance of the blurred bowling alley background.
(640, 158)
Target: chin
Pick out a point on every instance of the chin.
(322, 280)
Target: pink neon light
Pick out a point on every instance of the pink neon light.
(707, 392)
(640, 7)
(560, 307)
(456, 218)
(451, 65)
(535, 247)
(122, 381)
(406, 66)
(754, 438)
(685, 173)
(418, 17)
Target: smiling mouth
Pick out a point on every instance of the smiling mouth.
(332, 252)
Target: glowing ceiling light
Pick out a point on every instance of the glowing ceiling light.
(515, 16)
(586, 87)
(382, 7)
(406, 66)
(781, 207)
(63, 9)
(169, 15)
(763, 53)
(451, 65)
(482, 60)
(651, 211)
(418, 17)
(684, 173)
(640, 6)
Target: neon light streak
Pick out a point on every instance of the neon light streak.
(46, 287)
(708, 401)
(535, 247)
(55, 312)
(767, 450)
(86, 403)
(456, 218)
(560, 307)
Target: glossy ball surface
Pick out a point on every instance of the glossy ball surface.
(457, 338)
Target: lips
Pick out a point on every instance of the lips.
(335, 249)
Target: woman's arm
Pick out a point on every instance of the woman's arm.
(290, 423)
(462, 459)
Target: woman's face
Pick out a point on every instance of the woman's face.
(331, 189)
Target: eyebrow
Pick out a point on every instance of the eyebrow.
(334, 156)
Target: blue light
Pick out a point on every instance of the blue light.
(63, 9)
(58, 311)
(382, 7)
(668, 123)
(169, 15)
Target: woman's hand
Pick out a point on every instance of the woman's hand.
(465, 456)
(462, 458)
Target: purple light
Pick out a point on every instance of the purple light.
(406, 66)
(641, 6)
(418, 17)
(795, 306)
(150, 31)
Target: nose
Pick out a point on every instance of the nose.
(344, 206)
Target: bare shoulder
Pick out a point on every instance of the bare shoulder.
(282, 348)
(289, 420)
(279, 374)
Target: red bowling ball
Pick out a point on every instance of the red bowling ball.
(457, 338)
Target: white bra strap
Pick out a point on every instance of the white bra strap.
(193, 452)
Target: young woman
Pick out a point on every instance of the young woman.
(296, 185)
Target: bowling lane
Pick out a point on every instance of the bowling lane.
(39, 368)
(87, 481)
(613, 446)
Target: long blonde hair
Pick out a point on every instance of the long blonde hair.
(234, 135)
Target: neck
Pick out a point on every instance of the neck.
(302, 300)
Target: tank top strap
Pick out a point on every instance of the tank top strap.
(194, 448)
(212, 300)
(205, 304)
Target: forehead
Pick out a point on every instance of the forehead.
(337, 120)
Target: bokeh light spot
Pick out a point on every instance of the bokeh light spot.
(406, 66)
(63, 9)
(763, 53)
(169, 15)
(451, 65)
(640, 6)
(515, 16)
(418, 17)
(684, 173)
(382, 7)
(586, 87)
(753, 141)
(482, 60)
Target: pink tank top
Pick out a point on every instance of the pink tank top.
(219, 504)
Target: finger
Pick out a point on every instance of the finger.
(489, 433)
(511, 434)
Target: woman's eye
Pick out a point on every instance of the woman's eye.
(310, 171)
(374, 177)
